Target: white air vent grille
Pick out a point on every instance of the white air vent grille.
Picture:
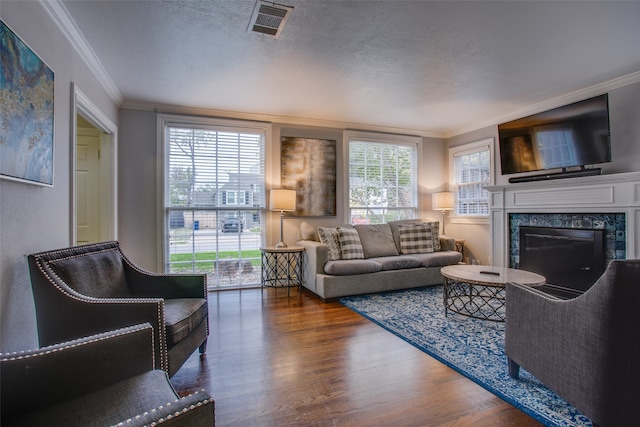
(269, 18)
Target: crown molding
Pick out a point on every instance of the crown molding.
(287, 120)
(548, 104)
(61, 17)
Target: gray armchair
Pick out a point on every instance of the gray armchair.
(101, 380)
(85, 290)
(586, 349)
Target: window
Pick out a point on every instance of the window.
(470, 166)
(383, 177)
(213, 198)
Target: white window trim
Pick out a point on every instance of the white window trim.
(383, 138)
(468, 149)
(164, 120)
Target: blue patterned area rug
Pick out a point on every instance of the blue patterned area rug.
(475, 348)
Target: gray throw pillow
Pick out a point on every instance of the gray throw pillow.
(376, 240)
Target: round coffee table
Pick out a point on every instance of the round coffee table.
(478, 291)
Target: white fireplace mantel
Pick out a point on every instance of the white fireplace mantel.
(619, 193)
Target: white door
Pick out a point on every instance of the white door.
(88, 186)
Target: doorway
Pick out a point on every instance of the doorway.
(94, 177)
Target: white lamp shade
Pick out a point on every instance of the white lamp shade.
(443, 201)
(282, 200)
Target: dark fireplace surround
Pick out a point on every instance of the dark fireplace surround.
(571, 250)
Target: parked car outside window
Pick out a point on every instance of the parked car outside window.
(234, 225)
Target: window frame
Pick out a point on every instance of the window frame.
(163, 121)
(465, 149)
(350, 136)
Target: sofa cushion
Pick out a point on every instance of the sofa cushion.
(329, 238)
(350, 267)
(415, 238)
(439, 259)
(350, 246)
(376, 240)
(398, 262)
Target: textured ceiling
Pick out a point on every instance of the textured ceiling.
(435, 66)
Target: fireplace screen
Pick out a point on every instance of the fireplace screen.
(571, 259)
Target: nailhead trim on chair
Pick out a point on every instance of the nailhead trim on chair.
(31, 354)
(75, 295)
(170, 416)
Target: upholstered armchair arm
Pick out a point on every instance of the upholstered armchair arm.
(195, 409)
(168, 286)
(64, 314)
(41, 377)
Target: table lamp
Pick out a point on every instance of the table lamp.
(284, 201)
(443, 201)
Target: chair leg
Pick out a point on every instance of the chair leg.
(203, 347)
(514, 369)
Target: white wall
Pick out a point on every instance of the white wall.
(34, 218)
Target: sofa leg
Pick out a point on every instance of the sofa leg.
(203, 347)
(514, 369)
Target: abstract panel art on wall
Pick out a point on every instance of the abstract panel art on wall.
(26, 116)
(309, 167)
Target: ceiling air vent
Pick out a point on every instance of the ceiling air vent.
(269, 18)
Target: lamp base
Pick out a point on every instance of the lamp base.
(281, 244)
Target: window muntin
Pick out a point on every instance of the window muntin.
(383, 177)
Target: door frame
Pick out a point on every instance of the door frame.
(81, 105)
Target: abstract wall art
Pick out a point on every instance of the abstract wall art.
(26, 116)
(309, 167)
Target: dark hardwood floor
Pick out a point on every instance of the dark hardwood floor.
(275, 361)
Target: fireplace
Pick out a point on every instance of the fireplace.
(571, 259)
(609, 202)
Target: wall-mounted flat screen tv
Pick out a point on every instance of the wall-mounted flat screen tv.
(574, 135)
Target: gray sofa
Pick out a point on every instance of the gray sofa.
(386, 264)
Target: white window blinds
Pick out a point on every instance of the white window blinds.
(383, 177)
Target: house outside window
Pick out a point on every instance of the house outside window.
(213, 203)
(382, 177)
(471, 167)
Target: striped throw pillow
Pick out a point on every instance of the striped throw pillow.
(415, 238)
(350, 245)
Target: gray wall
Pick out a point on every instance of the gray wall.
(35, 218)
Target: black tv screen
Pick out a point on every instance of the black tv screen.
(574, 135)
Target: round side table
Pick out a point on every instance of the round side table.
(282, 267)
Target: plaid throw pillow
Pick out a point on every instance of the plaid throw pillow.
(415, 238)
(350, 245)
(329, 237)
